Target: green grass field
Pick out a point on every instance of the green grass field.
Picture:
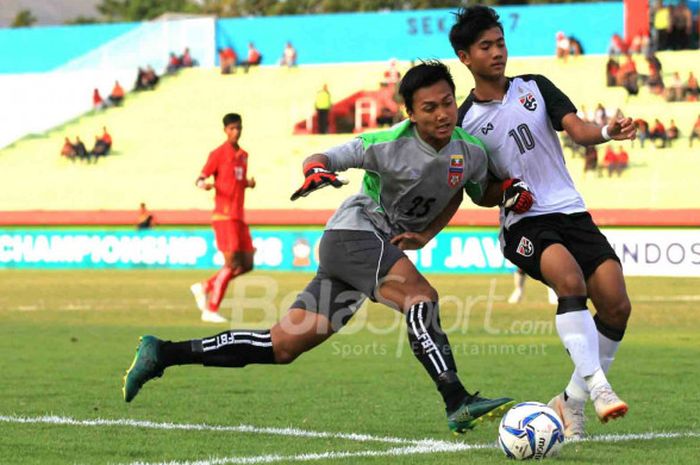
(66, 338)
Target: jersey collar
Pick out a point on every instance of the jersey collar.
(474, 99)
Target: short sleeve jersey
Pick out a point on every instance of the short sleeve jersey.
(520, 136)
(407, 182)
(229, 168)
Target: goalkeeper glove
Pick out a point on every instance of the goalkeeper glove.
(317, 176)
(517, 196)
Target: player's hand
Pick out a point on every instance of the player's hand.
(517, 196)
(410, 241)
(622, 129)
(317, 177)
(251, 183)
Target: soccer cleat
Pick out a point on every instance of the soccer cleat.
(607, 405)
(571, 413)
(199, 296)
(475, 409)
(146, 366)
(213, 317)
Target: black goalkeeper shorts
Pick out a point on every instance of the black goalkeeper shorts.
(352, 265)
(526, 240)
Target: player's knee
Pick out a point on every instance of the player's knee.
(421, 293)
(569, 285)
(618, 313)
(284, 355)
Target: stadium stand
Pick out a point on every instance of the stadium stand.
(159, 153)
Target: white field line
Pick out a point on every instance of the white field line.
(295, 432)
(330, 455)
(410, 450)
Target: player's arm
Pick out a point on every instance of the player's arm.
(208, 170)
(512, 194)
(585, 133)
(415, 241)
(320, 169)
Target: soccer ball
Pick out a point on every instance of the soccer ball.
(530, 430)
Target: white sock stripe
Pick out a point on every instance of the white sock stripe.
(437, 351)
(252, 342)
(248, 333)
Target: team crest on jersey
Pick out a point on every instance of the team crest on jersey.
(525, 247)
(528, 101)
(456, 170)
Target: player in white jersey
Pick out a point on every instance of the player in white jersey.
(415, 175)
(556, 240)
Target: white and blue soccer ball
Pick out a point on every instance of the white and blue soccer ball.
(530, 430)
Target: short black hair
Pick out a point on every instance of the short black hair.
(423, 75)
(232, 118)
(469, 23)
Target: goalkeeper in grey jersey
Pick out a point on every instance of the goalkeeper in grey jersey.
(416, 173)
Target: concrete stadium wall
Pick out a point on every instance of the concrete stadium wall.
(408, 35)
(39, 49)
(333, 38)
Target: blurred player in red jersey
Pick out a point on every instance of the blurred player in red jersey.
(228, 164)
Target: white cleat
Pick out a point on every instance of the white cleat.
(607, 405)
(571, 414)
(516, 296)
(199, 296)
(213, 317)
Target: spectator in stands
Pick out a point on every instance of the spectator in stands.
(617, 46)
(323, 107)
(563, 46)
(610, 160)
(662, 25)
(117, 94)
(174, 64)
(691, 91)
(658, 132)
(694, 132)
(146, 219)
(655, 82)
(68, 150)
(672, 132)
(151, 78)
(392, 75)
(100, 149)
(622, 159)
(674, 91)
(289, 56)
(600, 116)
(254, 57)
(640, 43)
(681, 26)
(642, 131)
(612, 68)
(227, 60)
(98, 102)
(80, 151)
(106, 137)
(590, 157)
(627, 76)
(575, 46)
(186, 60)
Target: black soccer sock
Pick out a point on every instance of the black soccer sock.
(431, 347)
(235, 348)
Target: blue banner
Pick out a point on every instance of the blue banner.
(280, 249)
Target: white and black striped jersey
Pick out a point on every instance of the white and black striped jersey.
(520, 136)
